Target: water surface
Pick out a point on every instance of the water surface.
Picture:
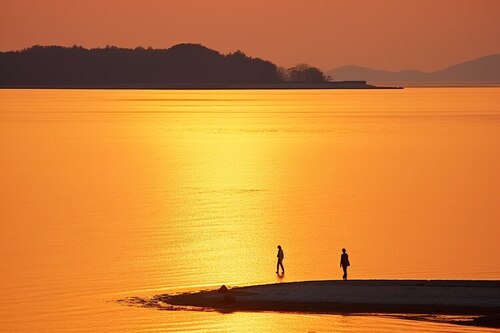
(108, 194)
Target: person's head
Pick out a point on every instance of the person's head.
(279, 247)
(343, 250)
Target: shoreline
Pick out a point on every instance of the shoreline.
(435, 297)
(215, 86)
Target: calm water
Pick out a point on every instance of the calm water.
(112, 194)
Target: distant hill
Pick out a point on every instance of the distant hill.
(481, 71)
(56, 66)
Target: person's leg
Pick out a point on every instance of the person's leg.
(277, 267)
(345, 272)
(282, 268)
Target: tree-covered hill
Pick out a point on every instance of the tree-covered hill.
(49, 66)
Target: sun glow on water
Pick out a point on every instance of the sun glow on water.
(111, 194)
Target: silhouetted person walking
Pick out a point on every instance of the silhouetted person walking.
(344, 263)
(280, 256)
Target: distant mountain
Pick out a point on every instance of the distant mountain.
(56, 66)
(481, 71)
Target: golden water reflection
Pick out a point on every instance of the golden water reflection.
(110, 194)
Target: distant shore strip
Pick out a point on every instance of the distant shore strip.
(217, 86)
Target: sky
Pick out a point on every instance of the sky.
(385, 34)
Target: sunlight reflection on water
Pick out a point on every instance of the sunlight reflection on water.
(108, 194)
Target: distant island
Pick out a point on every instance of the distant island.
(484, 71)
(183, 66)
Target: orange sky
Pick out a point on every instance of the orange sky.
(391, 34)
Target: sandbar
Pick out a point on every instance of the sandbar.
(354, 296)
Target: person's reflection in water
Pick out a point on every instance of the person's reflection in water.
(280, 256)
(344, 263)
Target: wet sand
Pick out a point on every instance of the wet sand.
(356, 296)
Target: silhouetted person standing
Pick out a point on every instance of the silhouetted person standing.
(280, 256)
(344, 263)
